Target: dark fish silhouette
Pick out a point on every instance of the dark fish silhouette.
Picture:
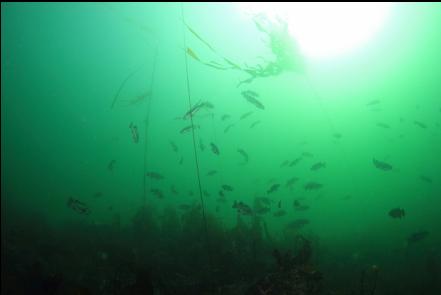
(208, 105)
(78, 206)
(174, 146)
(297, 203)
(420, 124)
(214, 149)
(157, 192)
(426, 179)
(299, 207)
(225, 117)
(373, 102)
(312, 186)
(201, 145)
(383, 125)
(284, 163)
(184, 207)
(97, 194)
(134, 130)
(264, 201)
(294, 162)
(279, 213)
(227, 187)
(228, 128)
(138, 99)
(191, 112)
(254, 124)
(211, 172)
(244, 154)
(196, 108)
(262, 210)
(302, 208)
(188, 128)
(154, 175)
(417, 236)
(192, 54)
(250, 93)
(111, 165)
(221, 199)
(382, 165)
(290, 182)
(297, 224)
(242, 208)
(250, 96)
(318, 166)
(397, 213)
(246, 115)
(273, 188)
(173, 190)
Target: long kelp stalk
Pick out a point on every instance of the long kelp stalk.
(147, 120)
(121, 86)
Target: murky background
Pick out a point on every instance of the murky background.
(191, 151)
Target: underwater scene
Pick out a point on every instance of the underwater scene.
(221, 148)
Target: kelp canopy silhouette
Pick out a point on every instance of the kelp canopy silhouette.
(278, 40)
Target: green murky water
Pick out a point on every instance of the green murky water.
(146, 155)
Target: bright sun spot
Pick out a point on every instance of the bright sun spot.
(326, 29)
